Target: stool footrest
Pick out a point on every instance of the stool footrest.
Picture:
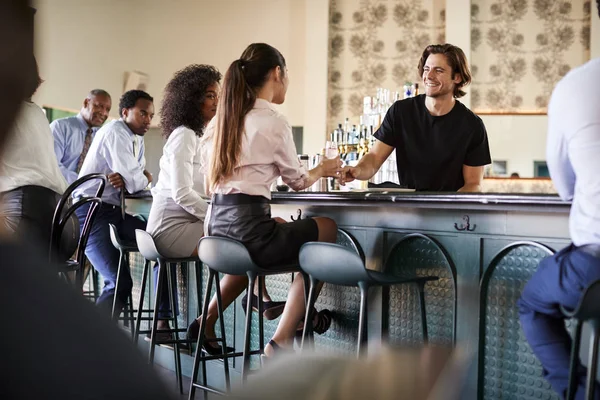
(209, 389)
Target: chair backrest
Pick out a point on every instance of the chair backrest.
(114, 236)
(64, 211)
(146, 245)
(589, 304)
(332, 263)
(225, 255)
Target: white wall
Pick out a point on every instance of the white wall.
(83, 44)
(78, 45)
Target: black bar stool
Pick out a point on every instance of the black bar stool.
(124, 250)
(148, 249)
(227, 256)
(338, 265)
(588, 310)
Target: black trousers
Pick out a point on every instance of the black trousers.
(27, 213)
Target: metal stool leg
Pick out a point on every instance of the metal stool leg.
(138, 319)
(574, 360)
(261, 322)
(199, 357)
(119, 270)
(421, 289)
(307, 331)
(162, 270)
(175, 335)
(222, 327)
(362, 320)
(593, 360)
(246, 363)
(385, 318)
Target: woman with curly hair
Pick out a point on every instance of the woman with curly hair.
(176, 220)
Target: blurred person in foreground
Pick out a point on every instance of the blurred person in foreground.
(572, 154)
(31, 183)
(429, 373)
(58, 346)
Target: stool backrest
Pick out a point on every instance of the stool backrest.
(332, 263)
(114, 236)
(589, 304)
(146, 245)
(225, 255)
(65, 210)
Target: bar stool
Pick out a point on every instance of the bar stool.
(338, 265)
(148, 249)
(124, 250)
(228, 256)
(588, 310)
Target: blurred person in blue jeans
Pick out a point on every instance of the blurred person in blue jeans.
(572, 156)
(58, 345)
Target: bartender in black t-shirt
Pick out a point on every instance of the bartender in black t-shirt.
(440, 144)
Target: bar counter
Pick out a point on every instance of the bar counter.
(484, 248)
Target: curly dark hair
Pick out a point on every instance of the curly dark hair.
(183, 97)
(131, 97)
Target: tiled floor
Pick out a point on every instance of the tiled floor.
(170, 381)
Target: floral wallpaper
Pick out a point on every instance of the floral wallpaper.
(376, 43)
(521, 48)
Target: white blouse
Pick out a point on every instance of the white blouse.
(180, 175)
(28, 157)
(268, 151)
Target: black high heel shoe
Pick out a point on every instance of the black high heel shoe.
(271, 309)
(192, 333)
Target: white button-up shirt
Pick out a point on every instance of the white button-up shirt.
(573, 149)
(268, 151)
(115, 149)
(28, 157)
(180, 176)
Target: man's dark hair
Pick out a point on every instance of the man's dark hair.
(598, 7)
(98, 92)
(184, 96)
(456, 59)
(131, 97)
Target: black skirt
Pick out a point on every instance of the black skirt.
(247, 219)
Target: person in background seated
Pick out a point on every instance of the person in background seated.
(117, 152)
(572, 155)
(31, 183)
(73, 135)
(252, 145)
(60, 347)
(440, 144)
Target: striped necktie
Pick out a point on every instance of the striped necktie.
(86, 146)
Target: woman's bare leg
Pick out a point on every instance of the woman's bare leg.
(295, 306)
(231, 287)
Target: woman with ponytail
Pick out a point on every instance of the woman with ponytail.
(247, 147)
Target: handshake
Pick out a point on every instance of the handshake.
(332, 167)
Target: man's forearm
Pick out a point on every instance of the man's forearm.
(367, 167)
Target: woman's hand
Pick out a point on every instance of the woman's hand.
(330, 167)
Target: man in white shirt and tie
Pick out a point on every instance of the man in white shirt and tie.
(117, 152)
